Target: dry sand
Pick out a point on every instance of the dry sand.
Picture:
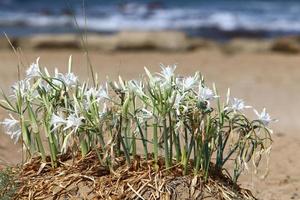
(262, 79)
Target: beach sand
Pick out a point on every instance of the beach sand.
(267, 79)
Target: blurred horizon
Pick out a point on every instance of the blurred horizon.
(217, 19)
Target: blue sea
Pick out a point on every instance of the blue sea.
(218, 19)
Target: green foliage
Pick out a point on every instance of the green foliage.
(178, 118)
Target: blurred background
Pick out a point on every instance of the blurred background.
(251, 46)
(217, 19)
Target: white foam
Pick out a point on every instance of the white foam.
(139, 17)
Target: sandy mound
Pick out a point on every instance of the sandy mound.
(86, 179)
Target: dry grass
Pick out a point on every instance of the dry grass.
(84, 179)
(8, 185)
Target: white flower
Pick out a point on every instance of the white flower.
(189, 82)
(102, 93)
(95, 95)
(144, 115)
(178, 102)
(264, 117)
(121, 82)
(12, 127)
(21, 88)
(165, 81)
(136, 88)
(86, 104)
(148, 73)
(69, 79)
(156, 81)
(167, 72)
(33, 70)
(103, 112)
(120, 85)
(44, 85)
(58, 78)
(206, 94)
(73, 121)
(238, 105)
(165, 86)
(91, 92)
(153, 80)
(57, 121)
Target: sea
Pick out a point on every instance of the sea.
(215, 19)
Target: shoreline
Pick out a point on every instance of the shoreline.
(162, 41)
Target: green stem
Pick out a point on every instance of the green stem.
(155, 142)
(53, 155)
(127, 157)
(101, 140)
(186, 139)
(120, 140)
(199, 154)
(171, 137)
(25, 135)
(100, 137)
(188, 153)
(133, 145)
(219, 158)
(83, 147)
(177, 146)
(52, 146)
(144, 141)
(146, 135)
(166, 146)
(230, 153)
(191, 146)
(40, 146)
(126, 131)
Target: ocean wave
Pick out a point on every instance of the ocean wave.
(140, 17)
(184, 19)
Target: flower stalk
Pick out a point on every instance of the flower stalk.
(167, 115)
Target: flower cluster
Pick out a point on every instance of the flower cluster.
(182, 114)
